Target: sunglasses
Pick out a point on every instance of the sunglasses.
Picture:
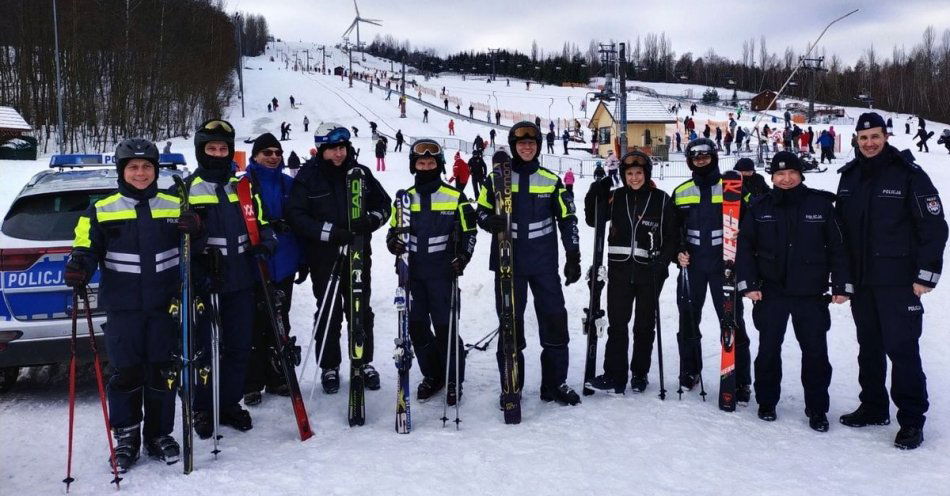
(637, 160)
(527, 132)
(216, 124)
(427, 148)
(271, 153)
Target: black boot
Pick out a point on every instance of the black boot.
(451, 398)
(370, 377)
(163, 448)
(638, 384)
(743, 393)
(236, 417)
(128, 443)
(280, 389)
(689, 381)
(767, 413)
(252, 399)
(204, 424)
(818, 421)
(605, 382)
(428, 388)
(562, 394)
(330, 380)
(909, 438)
(863, 417)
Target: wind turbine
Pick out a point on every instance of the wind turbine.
(356, 24)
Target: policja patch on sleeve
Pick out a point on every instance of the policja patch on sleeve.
(931, 203)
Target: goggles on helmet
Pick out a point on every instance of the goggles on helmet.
(430, 148)
(338, 135)
(635, 160)
(526, 132)
(216, 124)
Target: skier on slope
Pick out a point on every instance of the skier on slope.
(212, 192)
(642, 241)
(266, 173)
(539, 202)
(319, 214)
(698, 203)
(477, 169)
(782, 234)
(441, 243)
(613, 166)
(132, 234)
(896, 233)
(460, 172)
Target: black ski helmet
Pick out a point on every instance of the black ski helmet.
(426, 148)
(521, 131)
(636, 159)
(704, 146)
(214, 130)
(135, 148)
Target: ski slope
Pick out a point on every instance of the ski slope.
(633, 444)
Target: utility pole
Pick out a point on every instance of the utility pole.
(813, 66)
(307, 51)
(349, 49)
(61, 133)
(323, 49)
(493, 51)
(240, 60)
(622, 101)
(402, 99)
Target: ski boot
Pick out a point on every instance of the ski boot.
(863, 417)
(563, 395)
(818, 421)
(163, 448)
(252, 399)
(428, 388)
(909, 438)
(638, 384)
(237, 418)
(204, 424)
(370, 377)
(451, 397)
(689, 381)
(605, 382)
(767, 413)
(128, 443)
(330, 380)
(743, 394)
(280, 389)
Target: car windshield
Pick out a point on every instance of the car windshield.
(49, 217)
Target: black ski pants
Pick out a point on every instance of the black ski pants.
(811, 322)
(263, 366)
(690, 345)
(321, 278)
(552, 326)
(623, 290)
(431, 310)
(889, 321)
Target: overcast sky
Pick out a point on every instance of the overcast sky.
(694, 26)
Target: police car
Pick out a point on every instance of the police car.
(35, 240)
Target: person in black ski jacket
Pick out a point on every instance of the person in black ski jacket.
(790, 242)
(540, 206)
(476, 166)
(896, 234)
(319, 214)
(132, 236)
(213, 195)
(641, 243)
(752, 182)
(441, 243)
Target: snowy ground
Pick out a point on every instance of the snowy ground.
(611, 445)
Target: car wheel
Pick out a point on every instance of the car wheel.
(8, 377)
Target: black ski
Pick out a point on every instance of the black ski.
(184, 309)
(357, 312)
(403, 353)
(511, 382)
(594, 314)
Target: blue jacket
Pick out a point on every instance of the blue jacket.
(539, 202)
(274, 186)
(136, 242)
(825, 140)
(789, 242)
(441, 224)
(893, 220)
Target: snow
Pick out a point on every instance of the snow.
(611, 445)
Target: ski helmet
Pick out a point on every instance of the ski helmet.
(637, 159)
(698, 147)
(522, 131)
(135, 148)
(330, 133)
(214, 130)
(426, 148)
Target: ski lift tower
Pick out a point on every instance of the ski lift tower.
(622, 101)
(813, 66)
(608, 60)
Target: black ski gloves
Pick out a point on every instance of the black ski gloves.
(393, 241)
(189, 222)
(363, 225)
(496, 223)
(459, 263)
(76, 275)
(340, 236)
(261, 250)
(572, 267)
(302, 272)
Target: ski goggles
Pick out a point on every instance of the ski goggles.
(430, 148)
(525, 132)
(701, 151)
(338, 135)
(218, 124)
(270, 153)
(635, 160)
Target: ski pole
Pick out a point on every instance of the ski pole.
(334, 295)
(72, 397)
(482, 344)
(694, 330)
(99, 382)
(448, 350)
(320, 311)
(455, 350)
(659, 339)
(215, 369)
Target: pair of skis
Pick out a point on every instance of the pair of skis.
(510, 380)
